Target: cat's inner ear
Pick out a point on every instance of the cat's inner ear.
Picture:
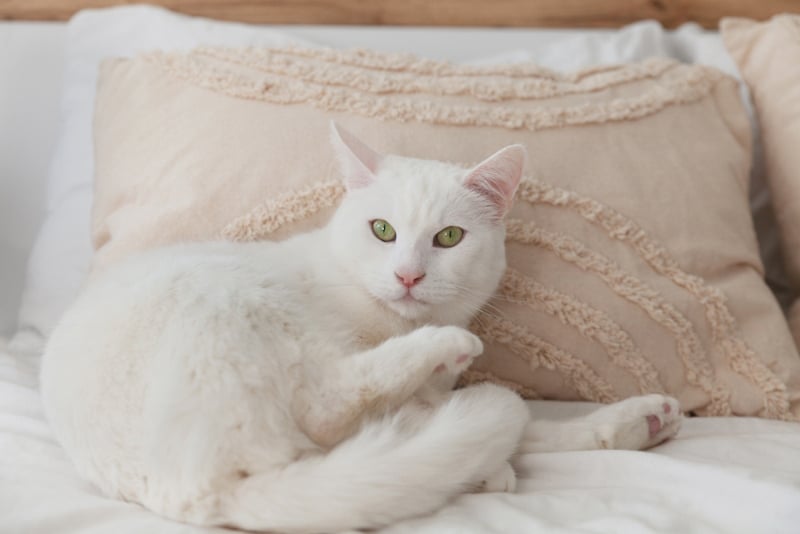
(497, 177)
(357, 162)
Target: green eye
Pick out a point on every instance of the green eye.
(383, 230)
(449, 237)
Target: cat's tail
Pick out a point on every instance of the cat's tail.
(386, 472)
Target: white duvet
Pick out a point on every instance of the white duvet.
(724, 476)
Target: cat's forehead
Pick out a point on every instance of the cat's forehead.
(419, 169)
(411, 178)
(421, 190)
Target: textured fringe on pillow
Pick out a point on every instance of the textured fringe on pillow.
(460, 82)
(684, 84)
(741, 358)
(592, 323)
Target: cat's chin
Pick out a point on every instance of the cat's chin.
(409, 307)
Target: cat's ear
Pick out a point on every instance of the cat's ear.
(357, 161)
(497, 177)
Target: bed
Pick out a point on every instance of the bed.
(719, 475)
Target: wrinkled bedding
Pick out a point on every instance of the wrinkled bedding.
(727, 476)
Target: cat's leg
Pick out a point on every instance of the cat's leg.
(633, 424)
(380, 379)
(491, 413)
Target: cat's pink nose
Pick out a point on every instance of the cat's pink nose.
(409, 279)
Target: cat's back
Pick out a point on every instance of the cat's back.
(201, 268)
(169, 314)
(143, 301)
(183, 282)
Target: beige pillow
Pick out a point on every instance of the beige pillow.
(633, 261)
(768, 55)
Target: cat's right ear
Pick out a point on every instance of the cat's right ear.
(497, 177)
(357, 161)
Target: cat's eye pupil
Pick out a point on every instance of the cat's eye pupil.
(449, 237)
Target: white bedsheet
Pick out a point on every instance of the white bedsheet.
(722, 476)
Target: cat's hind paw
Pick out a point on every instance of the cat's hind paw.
(637, 423)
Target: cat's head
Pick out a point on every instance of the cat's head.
(425, 238)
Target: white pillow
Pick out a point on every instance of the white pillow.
(61, 254)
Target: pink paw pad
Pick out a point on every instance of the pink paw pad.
(667, 408)
(439, 368)
(654, 424)
(462, 358)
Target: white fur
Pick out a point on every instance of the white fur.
(298, 386)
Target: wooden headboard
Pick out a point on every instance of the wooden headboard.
(499, 13)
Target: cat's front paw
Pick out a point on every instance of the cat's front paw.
(637, 423)
(455, 348)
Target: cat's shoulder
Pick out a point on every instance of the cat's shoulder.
(200, 263)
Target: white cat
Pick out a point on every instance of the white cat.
(303, 386)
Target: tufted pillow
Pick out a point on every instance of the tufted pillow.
(633, 264)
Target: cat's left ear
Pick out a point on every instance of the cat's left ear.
(497, 177)
(357, 161)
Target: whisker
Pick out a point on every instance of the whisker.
(444, 292)
(488, 305)
(492, 314)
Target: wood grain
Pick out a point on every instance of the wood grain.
(498, 13)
